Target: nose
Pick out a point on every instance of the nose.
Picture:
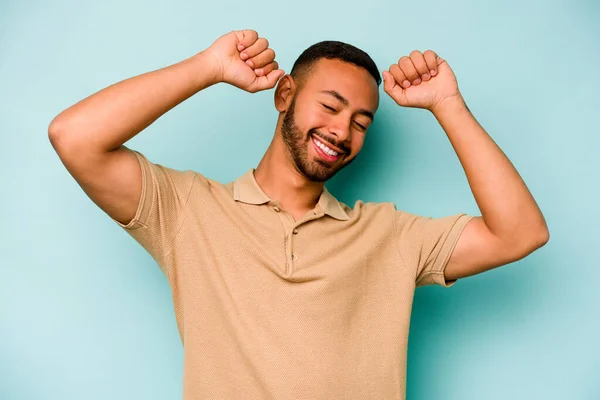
(340, 128)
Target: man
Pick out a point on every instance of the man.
(280, 291)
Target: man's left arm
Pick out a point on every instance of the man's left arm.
(512, 225)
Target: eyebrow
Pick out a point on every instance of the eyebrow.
(345, 102)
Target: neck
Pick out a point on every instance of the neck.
(278, 177)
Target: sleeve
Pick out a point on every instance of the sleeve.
(161, 208)
(425, 244)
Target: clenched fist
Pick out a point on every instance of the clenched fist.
(421, 80)
(244, 60)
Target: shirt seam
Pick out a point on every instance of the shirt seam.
(155, 241)
(444, 263)
(431, 274)
(396, 244)
(180, 225)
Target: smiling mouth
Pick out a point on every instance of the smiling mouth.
(324, 151)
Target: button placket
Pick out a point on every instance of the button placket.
(289, 254)
(284, 219)
(291, 251)
(289, 230)
(287, 222)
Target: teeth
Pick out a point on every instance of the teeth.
(325, 149)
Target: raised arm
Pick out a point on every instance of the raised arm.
(89, 135)
(512, 225)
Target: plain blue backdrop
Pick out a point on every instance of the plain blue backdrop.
(86, 313)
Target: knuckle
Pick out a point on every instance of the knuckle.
(415, 53)
(248, 36)
(403, 60)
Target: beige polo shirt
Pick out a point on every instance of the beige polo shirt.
(272, 308)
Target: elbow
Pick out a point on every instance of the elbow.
(536, 235)
(54, 130)
(542, 234)
(542, 238)
(535, 241)
(523, 245)
(59, 135)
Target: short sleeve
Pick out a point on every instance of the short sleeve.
(161, 209)
(425, 244)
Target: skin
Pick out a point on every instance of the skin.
(89, 138)
(312, 111)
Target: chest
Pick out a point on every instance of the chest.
(313, 246)
(262, 274)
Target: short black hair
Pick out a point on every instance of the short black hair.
(333, 49)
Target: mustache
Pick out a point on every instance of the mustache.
(324, 138)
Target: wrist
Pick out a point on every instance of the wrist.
(206, 70)
(452, 104)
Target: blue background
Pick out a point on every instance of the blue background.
(86, 313)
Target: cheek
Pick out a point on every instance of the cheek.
(313, 119)
(316, 123)
(357, 143)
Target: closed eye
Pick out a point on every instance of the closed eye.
(360, 126)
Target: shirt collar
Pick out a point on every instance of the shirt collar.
(247, 190)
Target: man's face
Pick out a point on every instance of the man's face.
(324, 128)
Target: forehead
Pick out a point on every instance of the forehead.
(351, 81)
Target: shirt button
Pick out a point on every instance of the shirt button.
(294, 257)
(276, 209)
(295, 231)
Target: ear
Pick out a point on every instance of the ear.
(284, 93)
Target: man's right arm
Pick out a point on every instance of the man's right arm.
(89, 135)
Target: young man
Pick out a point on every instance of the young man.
(280, 291)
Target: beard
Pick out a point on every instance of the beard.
(297, 143)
